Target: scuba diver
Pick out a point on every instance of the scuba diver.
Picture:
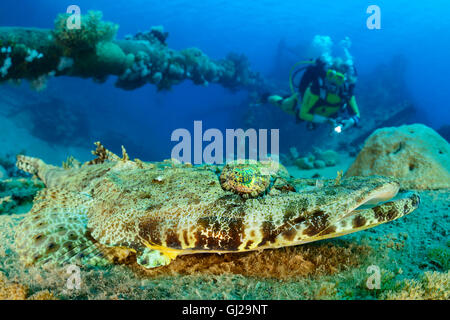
(325, 95)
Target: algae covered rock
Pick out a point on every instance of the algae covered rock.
(304, 163)
(111, 58)
(319, 159)
(329, 157)
(415, 154)
(319, 164)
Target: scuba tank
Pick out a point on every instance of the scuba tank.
(314, 68)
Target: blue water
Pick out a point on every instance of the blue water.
(418, 30)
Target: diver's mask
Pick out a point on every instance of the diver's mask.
(335, 80)
(335, 77)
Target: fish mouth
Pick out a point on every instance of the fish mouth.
(381, 204)
(380, 195)
(369, 215)
(409, 198)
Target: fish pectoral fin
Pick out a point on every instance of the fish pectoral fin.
(151, 258)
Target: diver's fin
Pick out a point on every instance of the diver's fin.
(150, 258)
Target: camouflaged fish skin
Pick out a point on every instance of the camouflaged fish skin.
(113, 208)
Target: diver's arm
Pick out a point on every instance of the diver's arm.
(354, 107)
(309, 100)
(353, 121)
(286, 104)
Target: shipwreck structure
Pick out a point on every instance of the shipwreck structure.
(92, 51)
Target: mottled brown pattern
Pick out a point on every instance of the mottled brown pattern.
(359, 221)
(386, 212)
(218, 236)
(289, 234)
(289, 213)
(230, 203)
(185, 237)
(172, 240)
(317, 222)
(329, 230)
(268, 234)
(149, 229)
(299, 220)
(248, 244)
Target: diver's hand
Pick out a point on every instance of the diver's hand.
(348, 123)
(333, 122)
(320, 119)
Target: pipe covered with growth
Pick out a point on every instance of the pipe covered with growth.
(92, 51)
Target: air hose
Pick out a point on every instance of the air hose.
(292, 74)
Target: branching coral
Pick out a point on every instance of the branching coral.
(92, 31)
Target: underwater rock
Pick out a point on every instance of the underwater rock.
(319, 164)
(318, 159)
(329, 157)
(294, 152)
(415, 154)
(304, 163)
